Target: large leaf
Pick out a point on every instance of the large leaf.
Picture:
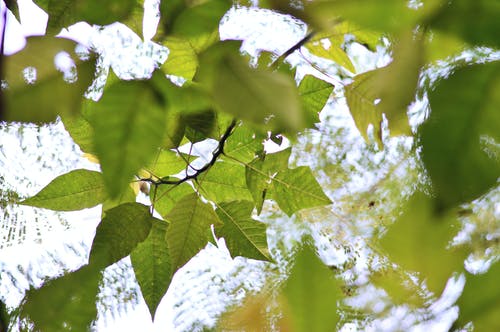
(419, 241)
(76, 190)
(260, 172)
(67, 303)
(244, 236)
(63, 13)
(122, 228)
(190, 221)
(151, 264)
(225, 181)
(129, 123)
(166, 196)
(460, 139)
(480, 300)
(37, 91)
(314, 94)
(182, 60)
(297, 189)
(311, 293)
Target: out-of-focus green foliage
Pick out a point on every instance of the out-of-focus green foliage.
(135, 129)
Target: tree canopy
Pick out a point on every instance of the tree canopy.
(443, 58)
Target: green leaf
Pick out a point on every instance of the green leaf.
(311, 293)
(297, 189)
(167, 196)
(314, 94)
(129, 123)
(480, 300)
(151, 263)
(168, 162)
(80, 131)
(475, 21)
(119, 232)
(200, 126)
(260, 172)
(419, 241)
(224, 182)
(333, 50)
(128, 196)
(244, 236)
(37, 91)
(190, 221)
(243, 144)
(63, 13)
(76, 190)
(182, 60)
(460, 138)
(67, 303)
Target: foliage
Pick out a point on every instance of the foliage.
(135, 131)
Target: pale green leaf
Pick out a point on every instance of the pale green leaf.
(151, 263)
(190, 221)
(297, 189)
(224, 182)
(129, 123)
(76, 190)
(128, 196)
(166, 196)
(243, 144)
(119, 232)
(329, 46)
(314, 94)
(260, 172)
(244, 236)
(168, 162)
(80, 131)
(312, 294)
(182, 60)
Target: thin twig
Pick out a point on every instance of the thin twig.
(292, 49)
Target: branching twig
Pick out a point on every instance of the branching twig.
(215, 154)
(292, 49)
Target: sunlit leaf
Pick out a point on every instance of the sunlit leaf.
(260, 172)
(311, 293)
(224, 182)
(128, 196)
(122, 228)
(182, 60)
(166, 196)
(76, 190)
(168, 162)
(37, 91)
(190, 221)
(151, 263)
(328, 45)
(401, 289)
(297, 189)
(243, 144)
(314, 94)
(80, 131)
(244, 236)
(129, 123)
(63, 13)
(480, 300)
(419, 241)
(460, 139)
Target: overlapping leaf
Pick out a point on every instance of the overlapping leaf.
(224, 182)
(244, 236)
(314, 94)
(76, 190)
(190, 221)
(152, 267)
(182, 60)
(166, 196)
(168, 162)
(243, 144)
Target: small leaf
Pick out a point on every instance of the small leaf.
(166, 196)
(76, 190)
(244, 236)
(190, 221)
(129, 123)
(182, 60)
(314, 94)
(224, 182)
(122, 228)
(243, 144)
(81, 132)
(311, 293)
(328, 45)
(297, 189)
(151, 264)
(168, 162)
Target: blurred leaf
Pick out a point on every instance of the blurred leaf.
(439, 46)
(373, 94)
(14, 8)
(182, 59)
(244, 236)
(76, 190)
(129, 123)
(297, 189)
(224, 182)
(243, 144)
(311, 293)
(401, 289)
(419, 241)
(190, 221)
(329, 46)
(151, 263)
(67, 303)
(63, 13)
(480, 300)
(200, 126)
(260, 172)
(121, 230)
(167, 163)
(455, 139)
(168, 195)
(314, 94)
(128, 196)
(475, 21)
(37, 91)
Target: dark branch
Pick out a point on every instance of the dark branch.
(292, 49)
(215, 155)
